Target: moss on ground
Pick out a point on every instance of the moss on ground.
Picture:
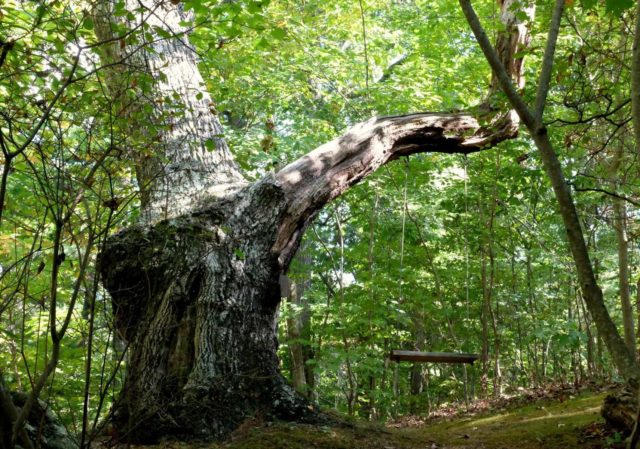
(547, 425)
(541, 425)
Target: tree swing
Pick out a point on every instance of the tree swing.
(399, 355)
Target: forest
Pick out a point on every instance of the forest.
(221, 215)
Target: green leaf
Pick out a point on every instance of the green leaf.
(239, 254)
(210, 144)
(87, 24)
(262, 44)
(164, 34)
(119, 9)
(278, 33)
(617, 7)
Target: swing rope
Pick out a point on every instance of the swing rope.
(466, 229)
(404, 222)
(401, 280)
(436, 357)
(465, 163)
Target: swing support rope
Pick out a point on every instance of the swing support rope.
(398, 355)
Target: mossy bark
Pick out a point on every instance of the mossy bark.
(196, 299)
(620, 409)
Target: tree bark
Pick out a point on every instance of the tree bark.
(196, 298)
(620, 212)
(294, 334)
(183, 158)
(620, 226)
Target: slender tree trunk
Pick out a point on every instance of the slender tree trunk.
(635, 79)
(575, 350)
(416, 380)
(299, 326)
(583, 320)
(638, 311)
(620, 213)
(620, 226)
(634, 439)
(599, 350)
(532, 312)
(484, 319)
(624, 361)
(488, 280)
(352, 383)
(485, 311)
(591, 349)
(497, 372)
(371, 390)
(294, 334)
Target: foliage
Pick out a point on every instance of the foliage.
(382, 271)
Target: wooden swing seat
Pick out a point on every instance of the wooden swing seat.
(437, 357)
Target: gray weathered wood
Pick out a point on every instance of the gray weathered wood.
(437, 357)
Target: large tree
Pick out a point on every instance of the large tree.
(195, 284)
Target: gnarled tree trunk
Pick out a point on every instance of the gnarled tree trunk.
(195, 286)
(196, 299)
(195, 296)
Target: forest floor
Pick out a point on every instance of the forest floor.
(563, 421)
